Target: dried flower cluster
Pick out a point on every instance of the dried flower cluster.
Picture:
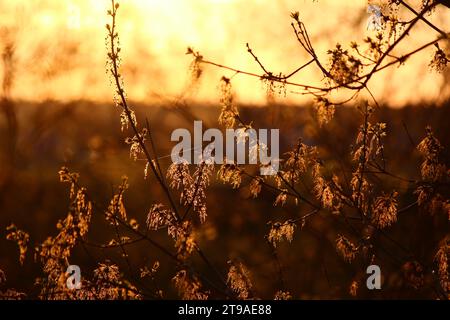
(433, 172)
(281, 198)
(229, 111)
(298, 161)
(363, 205)
(354, 286)
(230, 173)
(159, 217)
(108, 284)
(283, 295)
(414, 274)
(135, 144)
(188, 288)
(346, 248)
(239, 280)
(21, 238)
(9, 294)
(280, 231)
(193, 187)
(384, 212)
(274, 88)
(442, 259)
(430, 148)
(368, 149)
(55, 252)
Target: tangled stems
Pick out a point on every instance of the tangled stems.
(356, 82)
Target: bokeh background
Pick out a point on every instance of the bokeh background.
(57, 110)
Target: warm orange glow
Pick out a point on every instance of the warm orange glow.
(60, 50)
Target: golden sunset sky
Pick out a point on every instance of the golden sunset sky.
(60, 47)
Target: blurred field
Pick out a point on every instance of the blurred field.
(86, 137)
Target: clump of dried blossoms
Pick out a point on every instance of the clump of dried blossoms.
(440, 60)
(9, 294)
(442, 260)
(188, 288)
(361, 204)
(229, 111)
(280, 231)
(346, 248)
(193, 187)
